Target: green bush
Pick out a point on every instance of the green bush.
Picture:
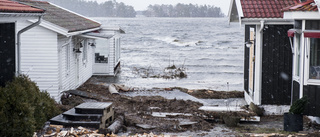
(299, 105)
(24, 108)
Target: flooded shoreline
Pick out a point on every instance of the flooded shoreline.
(208, 48)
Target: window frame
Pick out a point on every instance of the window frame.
(297, 57)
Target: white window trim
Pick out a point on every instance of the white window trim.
(296, 78)
(307, 66)
(295, 58)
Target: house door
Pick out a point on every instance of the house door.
(7, 52)
(251, 62)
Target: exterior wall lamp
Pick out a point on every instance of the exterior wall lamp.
(249, 43)
(76, 50)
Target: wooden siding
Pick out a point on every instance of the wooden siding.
(313, 94)
(86, 66)
(43, 58)
(7, 52)
(39, 57)
(112, 62)
(74, 70)
(276, 65)
(295, 91)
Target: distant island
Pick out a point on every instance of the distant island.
(183, 10)
(116, 9)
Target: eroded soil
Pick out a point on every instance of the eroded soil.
(138, 112)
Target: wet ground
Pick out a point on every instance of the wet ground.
(175, 111)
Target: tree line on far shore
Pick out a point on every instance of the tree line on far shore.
(183, 10)
(116, 9)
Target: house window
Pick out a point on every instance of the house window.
(102, 51)
(297, 55)
(314, 64)
(313, 25)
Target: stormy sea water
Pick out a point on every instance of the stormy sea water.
(210, 50)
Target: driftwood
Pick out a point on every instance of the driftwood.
(114, 88)
(116, 125)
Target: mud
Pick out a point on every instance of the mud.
(138, 112)
(211, 94)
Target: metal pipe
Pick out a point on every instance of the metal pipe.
(18, 71)
(262, 26)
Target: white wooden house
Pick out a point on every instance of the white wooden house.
(60, 53)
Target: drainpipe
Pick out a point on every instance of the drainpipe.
(18, 71)
(262, 26)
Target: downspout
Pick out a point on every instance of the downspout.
(18, 71)
(262, 26)
(260, 63)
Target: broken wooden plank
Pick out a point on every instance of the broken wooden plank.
(145, 126)
(221, 108)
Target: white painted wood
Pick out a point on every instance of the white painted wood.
(39, 57)
(101, 68)
(301, 15)
(258, 66)
(248, 98)
(302, 60)
(275, 109)
(112, 56)
(239, 8)
(47, 56)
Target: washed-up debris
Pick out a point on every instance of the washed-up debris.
(170, 72)
(84, 94)
(115, 88)
(145, 126)
(165, 114)
(221, 108)
(112, 89)
(60, 131)
(211, 94)
(116, 125)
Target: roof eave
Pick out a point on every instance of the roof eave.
(118, 29)
(234, 15)
(52, 27)
(83, 31)
(301, 15)
(3, 14)
(257, 21)
(61, 30)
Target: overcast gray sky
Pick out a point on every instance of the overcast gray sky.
(143, 4)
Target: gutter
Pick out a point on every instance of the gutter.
(255, 21)
(18, 70)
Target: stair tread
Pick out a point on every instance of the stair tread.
(72, 112)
